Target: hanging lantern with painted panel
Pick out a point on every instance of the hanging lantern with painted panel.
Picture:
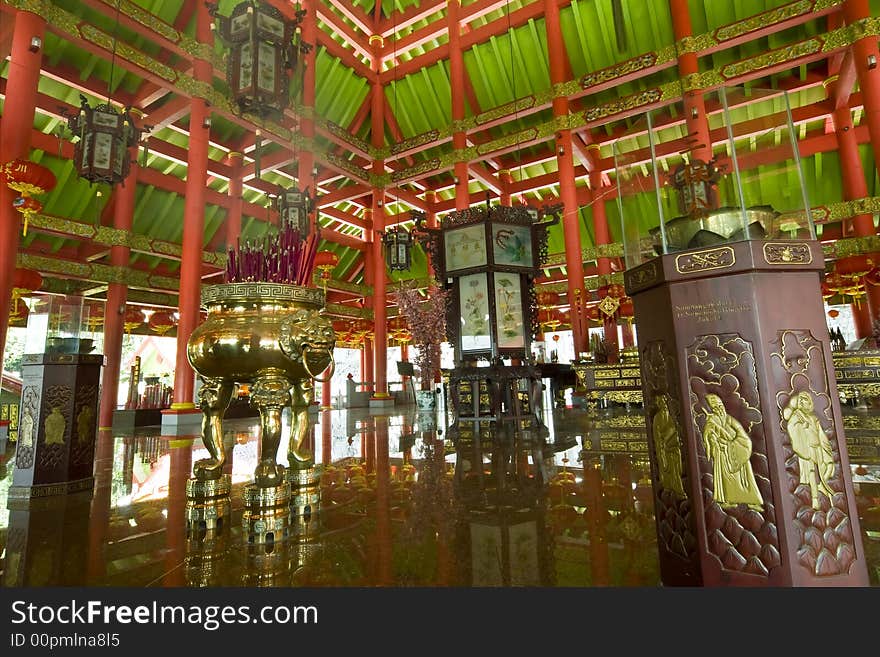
(264, 47)
(398, 249)
(294, 208)
(104, 137)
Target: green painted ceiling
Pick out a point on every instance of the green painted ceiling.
(511, 64)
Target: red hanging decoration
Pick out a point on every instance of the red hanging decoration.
(133, 319)
(162, 321)
(27, 178)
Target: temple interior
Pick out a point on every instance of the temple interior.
(466, 293)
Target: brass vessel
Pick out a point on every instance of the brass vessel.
(273, 337)
(717, 227)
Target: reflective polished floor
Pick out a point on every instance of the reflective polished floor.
(399, 505)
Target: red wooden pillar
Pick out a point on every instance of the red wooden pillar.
(695, 107)
(855, 187)
(180, 466)
(193, 222)
(326, 391)
(369, 370)
(866, 57)
(306, 166)
(383, 504)
(117, 294)
(506, 180)
(326, 439)
(430, 222)
(457, 82)
(574, 262)
(603, 236)
(236, 201)
(380, 278)
(599, 557)
(15, 142)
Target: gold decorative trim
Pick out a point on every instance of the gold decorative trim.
(707, 260)
(787, 253)
(253, 291)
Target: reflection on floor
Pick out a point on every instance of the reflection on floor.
(398, 506)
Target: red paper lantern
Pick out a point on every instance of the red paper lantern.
(326, 260)
(133, 318)
(593, 313)
(18, 314)
(27, 178)
(546, 299)
(626, 307)
(162, 321)
(616, 291)
(96, 317)
(26, 280)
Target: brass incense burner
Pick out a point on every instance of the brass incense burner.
(273, 337)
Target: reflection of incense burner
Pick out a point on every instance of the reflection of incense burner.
(715, 227)
(272, 337)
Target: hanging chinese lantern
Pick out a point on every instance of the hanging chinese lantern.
(326, 261)
(294, 208)
(24, 281)
(398, 249)
(96, 317)
(616, 291)
(18, 315)
(593, 313)
(105, 137)
(133, 319)
(161, 321)
(28, 178)
(626, 310)
(264, 47)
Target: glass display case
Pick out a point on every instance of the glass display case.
(711, 169)
(64, 324)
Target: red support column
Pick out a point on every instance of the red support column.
(506, 180)
(380, 278)
(430, 222)
(326, 402)
(15, 142)
(180, 466)
(457, 82)
(574, 263)
(865, 51)
(236, 201)
(305, 169)
(383, 504)
(369, 370)
(326, 439)
(193, 222)
(602, 234)
(695, 107)
(117, 294)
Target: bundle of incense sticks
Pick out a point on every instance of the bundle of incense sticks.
(281, 258)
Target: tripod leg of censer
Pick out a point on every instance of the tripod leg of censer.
(214, 398)
(299, 453)
(270, 395)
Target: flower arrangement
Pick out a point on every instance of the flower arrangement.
(426, 318)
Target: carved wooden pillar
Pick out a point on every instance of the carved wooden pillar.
(751, 477)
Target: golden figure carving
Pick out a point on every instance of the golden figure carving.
(667, 447)
(26, 432)
(54, 426)
(729, 448)
(812, 446)
(214, 398)
(85, 423)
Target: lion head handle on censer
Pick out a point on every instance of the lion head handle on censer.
(308, 336)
